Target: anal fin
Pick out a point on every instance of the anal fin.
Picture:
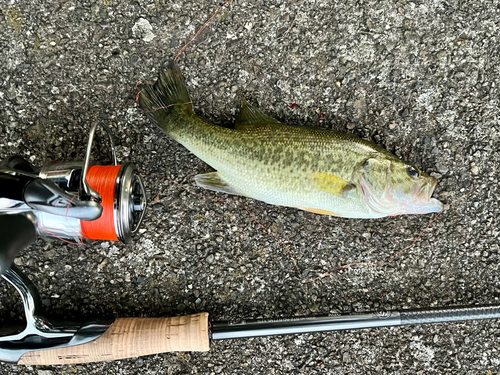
(319, 211)
(212, 181)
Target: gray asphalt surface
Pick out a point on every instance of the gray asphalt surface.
(420, 78)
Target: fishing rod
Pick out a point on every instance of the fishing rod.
(44, 342)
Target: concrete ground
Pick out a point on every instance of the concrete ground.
(418, 77)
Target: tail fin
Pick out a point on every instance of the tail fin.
(167, 97)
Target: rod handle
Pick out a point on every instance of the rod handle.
(131, 337)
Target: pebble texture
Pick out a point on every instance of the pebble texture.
(420, 78)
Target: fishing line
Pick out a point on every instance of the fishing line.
(203, 28)
(63, 240)
(288, 249)
(393, 256)
(44, 229)
(279, 239)
(103, 180)
(222, 6)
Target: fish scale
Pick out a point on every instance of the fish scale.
(309, 168)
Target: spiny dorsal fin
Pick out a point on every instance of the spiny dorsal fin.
(330, 183)
(212, 181)
(167, 96)
(251, 116)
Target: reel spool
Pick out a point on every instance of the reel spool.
(118, 190)
(123, 203)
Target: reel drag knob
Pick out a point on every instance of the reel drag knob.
(130, 202)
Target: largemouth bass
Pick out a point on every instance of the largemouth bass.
(309, 168)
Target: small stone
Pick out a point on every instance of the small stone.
(392, 125)
(18, 261)
(441, 168)
(350, 126)
(158, 207)
(210, 258)
(475, 170)
(234, 88)
(143, 29)
(133, 60)
(198, 301)
(45, 372)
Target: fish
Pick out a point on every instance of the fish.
(309, 168)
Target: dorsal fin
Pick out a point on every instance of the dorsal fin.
(251, 116)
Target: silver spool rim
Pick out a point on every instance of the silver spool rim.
(126, 218)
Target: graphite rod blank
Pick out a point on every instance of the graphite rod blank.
(259, 328)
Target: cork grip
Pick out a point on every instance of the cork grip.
(131, 337)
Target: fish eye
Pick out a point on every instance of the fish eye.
(413, 172)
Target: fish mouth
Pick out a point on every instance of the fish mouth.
(433, 185)
(427, 189)
(432, 204)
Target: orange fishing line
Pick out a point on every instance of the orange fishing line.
(287, 248)
(103, 180)
(221, 6)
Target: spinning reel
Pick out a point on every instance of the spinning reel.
(74, 201)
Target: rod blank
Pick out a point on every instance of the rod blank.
(259, 328)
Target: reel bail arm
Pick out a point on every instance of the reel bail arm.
(86, 191)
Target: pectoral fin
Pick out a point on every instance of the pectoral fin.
(212, 181)
(331, 184)
(251, 116)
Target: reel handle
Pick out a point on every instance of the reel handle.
(131, 337)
